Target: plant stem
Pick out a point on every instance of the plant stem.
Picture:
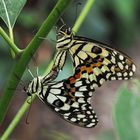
(17, 118)
(15, 49)
(11, 34)
(83, 15)
(12, 39)
(22, 62)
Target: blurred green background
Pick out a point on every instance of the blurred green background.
(113, 22)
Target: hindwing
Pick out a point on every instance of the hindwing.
(71, 98)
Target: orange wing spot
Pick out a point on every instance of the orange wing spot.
(77, 76)
(83, 68)
(89, 70)
(96, 64)
(72, 80)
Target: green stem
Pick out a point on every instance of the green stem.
(23, 61)
(83, 15)
(10, 42)
(11, 34)
(18, 117)
(12, 39)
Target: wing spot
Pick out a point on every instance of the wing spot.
(96, 50)
(119, 78)
(120, 65)
(84, 120)
(121, 57)
(126, 67)
(91, 124)
(133, 67)
(125, 74)
(119, 74)
(125, 78)
(88, 112)
(80, 116)
(131, 73)
(73, 119)
(113, 78)
(81, 100)
(101, 81)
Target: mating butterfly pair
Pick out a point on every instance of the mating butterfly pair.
(94, 63)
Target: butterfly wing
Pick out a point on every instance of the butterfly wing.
(70, 98)
(113, 63)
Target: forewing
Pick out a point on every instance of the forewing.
(110, 61)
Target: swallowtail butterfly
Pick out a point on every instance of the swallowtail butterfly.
(104, 62)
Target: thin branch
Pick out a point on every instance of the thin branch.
(83, 15)
(18, 117)
(15, 49)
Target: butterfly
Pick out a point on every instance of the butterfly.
(101, 59)
(70, 98)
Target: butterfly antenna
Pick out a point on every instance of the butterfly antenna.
(31, 73)
(37, 71)
(63, 24)
(55, 28)
(28, 113)
(61, 19)
(44, 38)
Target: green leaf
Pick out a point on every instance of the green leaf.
(9, 11)
(127, 115)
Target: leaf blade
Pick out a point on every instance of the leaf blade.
(127, 115)
(9, 11)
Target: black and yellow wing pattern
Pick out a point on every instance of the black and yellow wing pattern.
(101, 59)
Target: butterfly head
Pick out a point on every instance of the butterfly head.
(34, 86)
(64, 38)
